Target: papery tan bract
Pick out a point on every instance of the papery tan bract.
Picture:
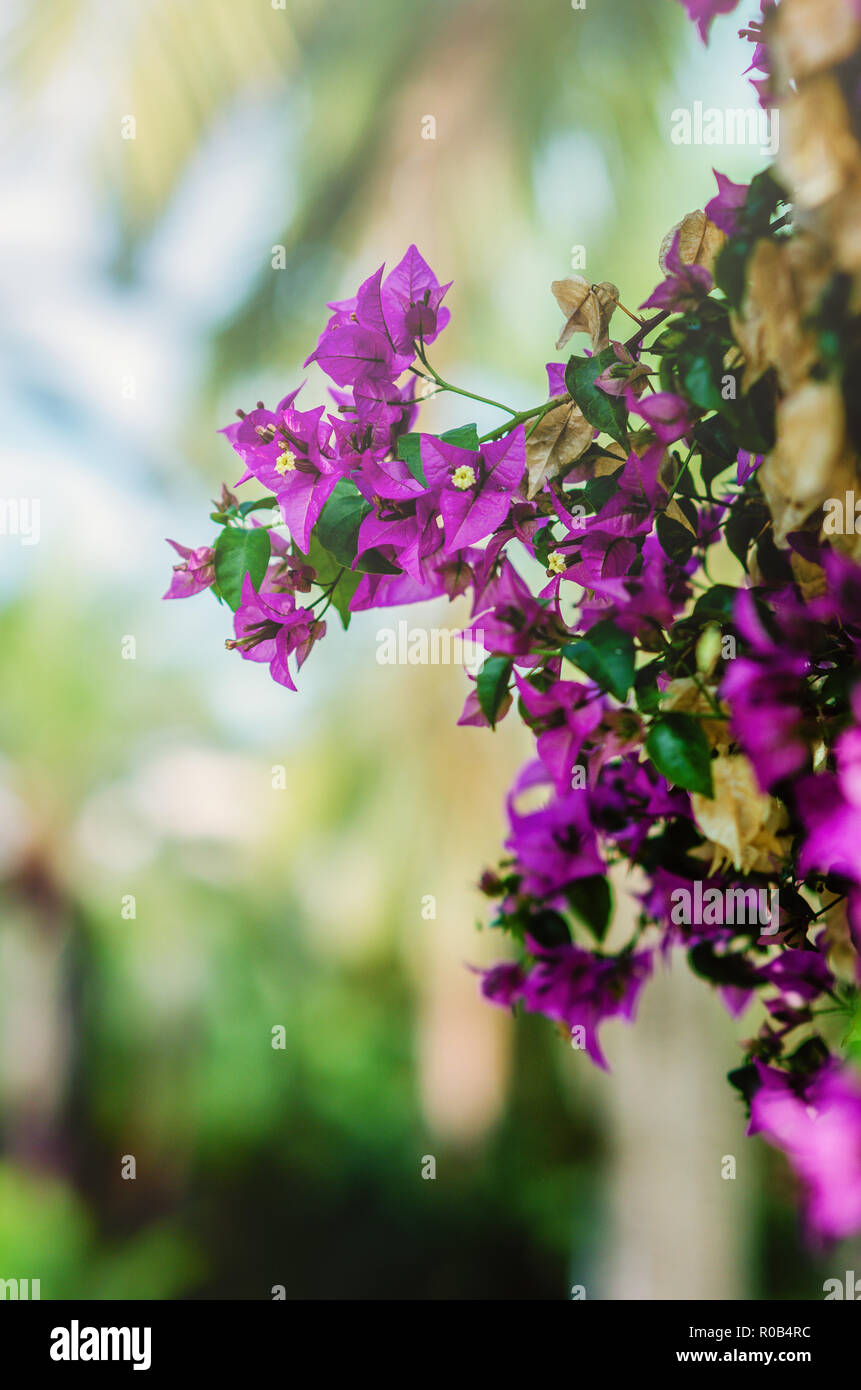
(559, 439)
(784, 282)
(587, 309)
(809, 35)
(700, 241)
(819, 156)
(810, 461)
(741, 822)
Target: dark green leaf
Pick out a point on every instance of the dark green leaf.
(338, 525)
(734, 970)
(676, 540)
(592, 901)
(492, 686)
(606, 413)
(464, 437)
(746, 1080)
(646, 690)
(607, 655)
(598, 491)
(680, 751)
(548, 928)
(410, 452)
(716, 605)
(747, 519)
(258, 504)
(330, 572)
(237, 553)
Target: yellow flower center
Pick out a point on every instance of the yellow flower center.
(285, 463)
(463, 477)
(556, 562)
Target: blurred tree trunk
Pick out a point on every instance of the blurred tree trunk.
(676, 1227)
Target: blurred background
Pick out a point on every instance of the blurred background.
(165, 902)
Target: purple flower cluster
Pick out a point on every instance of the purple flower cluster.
(706, 734)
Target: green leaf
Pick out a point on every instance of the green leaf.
(646, 691)
(702, 374)
(747, 520)
(548, 928)
(598, 491)
(592, 901)
(718, 449)
(258, 504)
(607, 655)
(606, 413)
(716, 605)
(463, 436)
(409, 451)
(329, 571)
(680, 751)
(338, 531)
(338, 525)
(492, 686)
(347, 583)
(735, 970)
(543, 541)
(237, 553)
(676, 540)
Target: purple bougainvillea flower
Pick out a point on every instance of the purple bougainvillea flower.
(270, 628)
(556, 378)
(371, 418)
(502, 984)
(666, 414)
(830, 808)
(388, 480)
(746, 466)
(818, 1127)
(556, 845)
(412, 296)
(684, 286)
(764, 693)
(289, 452)
(833, 825)
(195, 573)
(371, 338)
(350, 353)
(580, 989)
(509, 621)
(761, 60)
(629, 797)
(703, 12)
(660, 904)
(563, 717)
(391, 591)
(474, 489)
(727, 203)
(800, 977)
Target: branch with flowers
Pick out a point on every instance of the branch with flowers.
(705, 733)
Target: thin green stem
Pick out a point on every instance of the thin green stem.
(457, 390)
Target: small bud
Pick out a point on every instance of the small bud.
(708, 649)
